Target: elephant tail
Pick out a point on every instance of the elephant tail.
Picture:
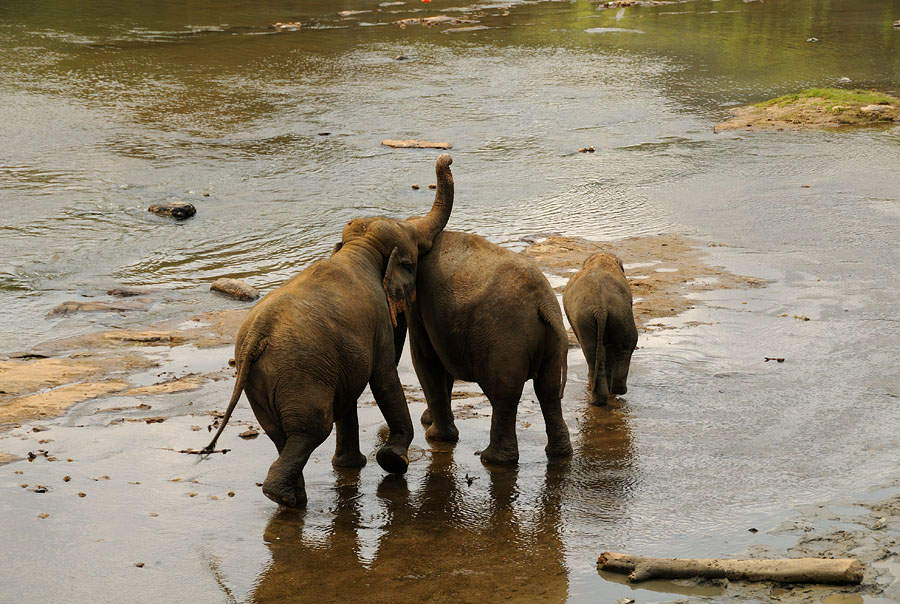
(599, 368)
(248, 356)
(553, 318)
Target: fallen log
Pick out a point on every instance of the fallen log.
(414, 144)
(837, 571)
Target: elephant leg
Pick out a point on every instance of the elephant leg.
(547, 387)
(610, 356)
(393, 455)
(346, 450)
(284, 483)
(437, 384)
(306, 418)
(504, 446)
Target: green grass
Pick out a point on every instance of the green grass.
(832, 96)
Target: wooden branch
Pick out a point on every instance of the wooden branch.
(837, 571)
(414, 144)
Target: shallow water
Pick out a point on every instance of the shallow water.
(106, 112)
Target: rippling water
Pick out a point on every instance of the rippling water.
(110, 108)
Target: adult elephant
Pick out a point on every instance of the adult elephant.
(306, 351)
(484, 314)
(487, 315)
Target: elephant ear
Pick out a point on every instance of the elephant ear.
(400, 282)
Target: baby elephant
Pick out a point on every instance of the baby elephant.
(598, 304)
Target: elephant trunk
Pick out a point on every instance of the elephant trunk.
(434, 222)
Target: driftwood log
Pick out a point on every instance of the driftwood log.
(837, 571)
(414, 144)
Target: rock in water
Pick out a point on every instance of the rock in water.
(127, 292)
(176, 209)
(234, 288)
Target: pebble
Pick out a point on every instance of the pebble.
(179, 210)
(234, 288)
(416, 187)
(587, 149)
(82, 494)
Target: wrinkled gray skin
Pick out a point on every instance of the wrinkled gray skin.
(306, 351)
(597, 300)
(484, 314)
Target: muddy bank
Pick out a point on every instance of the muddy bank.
(824, 108)
(663, 271)
(53, 376)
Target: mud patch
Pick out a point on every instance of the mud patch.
(54, 402)
(663, 270)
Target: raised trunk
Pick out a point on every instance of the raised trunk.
(434, 222)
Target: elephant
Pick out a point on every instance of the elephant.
(485, 314)
(597, 301)
(306, 351)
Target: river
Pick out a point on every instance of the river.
(274, 134)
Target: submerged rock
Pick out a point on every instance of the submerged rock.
(71, 307)
(234, 288)
(179, 210)
(127, 292)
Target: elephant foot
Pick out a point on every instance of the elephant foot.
(599, 400)
(500, 457)
(353, 459)
(559, 448)
(393, 459)
(448, 433)
(291, 496)
(619, 389)
(426, 418)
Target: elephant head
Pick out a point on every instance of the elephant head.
(401, 241)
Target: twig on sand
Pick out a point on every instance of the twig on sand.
(837, 571)
(197, 451)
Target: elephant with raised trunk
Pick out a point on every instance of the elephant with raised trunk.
(306, 351)
(598, 303)
(485, 314)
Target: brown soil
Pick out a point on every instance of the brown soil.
(676, 268)
(808, 114)
(85, 367)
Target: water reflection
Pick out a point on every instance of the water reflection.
(446, 532)
(433, 542)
